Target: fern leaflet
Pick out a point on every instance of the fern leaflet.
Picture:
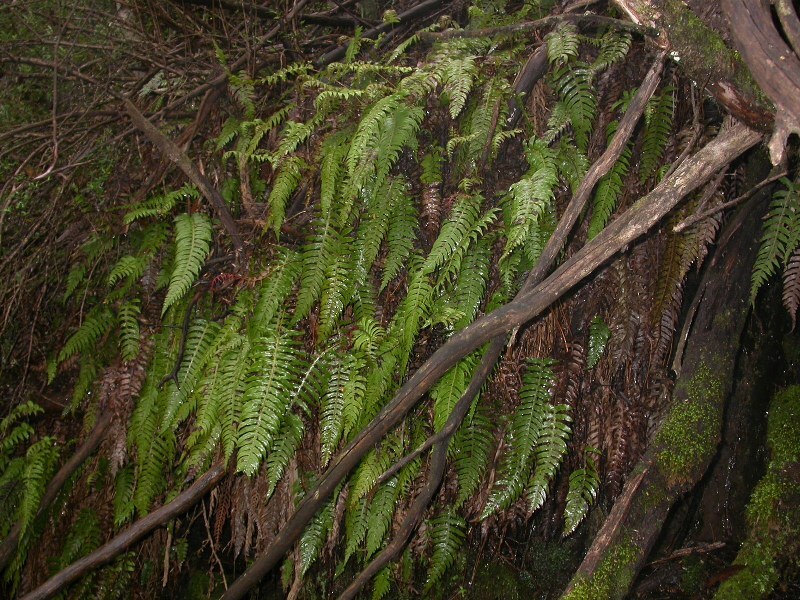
(193, 236)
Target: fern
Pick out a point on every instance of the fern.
(76, 276)
(781, 236)
(379, 517)
(285, 184)
(528, 436)
(562, 44)
(457, 79)
(382, 583)
(123, 496)
(577, 104)
(791, 286)
(83, 537)
(284, 273)
(129, 329)
(273, 380)
(459, 230)
(158, 206)
(599, 333)
(315, 534)
(400, 237)
(658, 126)
(193, 236)
(13, 432)
(40, 461)
(583, 486)
(283, 450)
(550, 450)
(98, 323)
(447, 533)
(449, 389)
(614, 46)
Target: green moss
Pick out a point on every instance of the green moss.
(688, 437)
(773, 512)
(611, 579)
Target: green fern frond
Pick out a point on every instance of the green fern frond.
(449, 389)
(128, 316)
(599, 334)
(375, 220)
(608, 192)
(400, 238)
(41, 460)
(128, 267)
(781, 235)
(124, 485)
(577, 105)
(315, 534)
(242, 88)
(275, 374)
(283, 450)
(285, 271)
(791, 286)
(193, 237)
(294, 134)
(342, 403)
(158, 206)
(551, 447)
(332, 156)
(562, 44)
(318, 255)
(286, 182)
(282, 75)
(354, 47)
(658, 126)
(470, 452)
(230, 129)
(379, 517)
(75, 277)
(454, 236)
(528, 436)
(614, 46)
(457, 79)
(341, 276)
(382, 583)
(572, 164)
(447, 533)
(198, 350)
(13, 432)
(84, 536)
(583, 486)
(99, 321)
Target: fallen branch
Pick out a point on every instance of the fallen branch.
(121, 542)
(636, 221)
(184, 163)
(93, 440)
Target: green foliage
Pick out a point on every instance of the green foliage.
(286, 182)
(599, 334)
(457, 78)
(315, 534)
(159, 206)
(658, 127)
(193, 236)
(128, 315)
(583, 486)
(535, 441)
(779, 244)
(98, 323)
(447, 533)
(562, 44)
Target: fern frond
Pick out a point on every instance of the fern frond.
(658, 126)
(599, 333)
(283, 450)
(342, 274)
(551, 447)
(158, 206)
(583, 486)
(382, 583)
(781, 235)
(379, 517)
(318, 256)
(449, 389)
(332, 156)
(275, 375)
(454, 236)
(400, 238)
(124, 485)
(577, 105)
(447, 533)
(75, 277)
(99, 321)
(128, 316)
(528, 436)
(193, 236)
(608, 192)
(83, 537)
(315, 534)
(457, 78)
(280, 76)
(614, 46)
(562, 44)
(128, 267)
(286, 182)
(40, 461)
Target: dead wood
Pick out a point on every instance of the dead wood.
(121, 542)
(636, 221)
(93, 440)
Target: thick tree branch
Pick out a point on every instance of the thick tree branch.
(121, 542)
(636, 221)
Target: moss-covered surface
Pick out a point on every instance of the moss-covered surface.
(773, 512)
(689, 435)
(612, 578)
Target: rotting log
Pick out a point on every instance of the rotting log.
(687, 440)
